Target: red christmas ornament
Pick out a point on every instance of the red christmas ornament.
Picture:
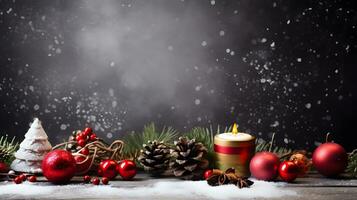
(288, 171)
(4, 168)
(207, 173)
(127, 169)
(86, 179)
(18, 180)
(330, 159)
(105, 180)
(32, 179)
(108, 168)
(58, 166)
(264, 166)
(95, 181)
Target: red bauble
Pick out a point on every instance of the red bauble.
(4, 168)
(58, 166)
(127, 169)
(264, 166)
(330, 159)
(288, 171)
(108, 168)
(207, 173)
(32, 179)
(105, 180)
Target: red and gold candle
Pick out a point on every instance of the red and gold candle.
(235, 150)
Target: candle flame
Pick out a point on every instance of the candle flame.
(235, 129)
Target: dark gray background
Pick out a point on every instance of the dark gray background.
(273, 66)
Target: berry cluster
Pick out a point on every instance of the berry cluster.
(95, 180)
(83, 137)
(22, 177)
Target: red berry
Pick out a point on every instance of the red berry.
(18, 180)
(95, 181)
(87, 131)
(105, 180)
(86, 178)
(207, 174)
(23, 177)
(79, 137)
(93, 137)
(84, 151)
(32, 179)
(82, 142)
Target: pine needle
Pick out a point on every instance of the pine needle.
(352, 164)
(134, 141)
(7, 149)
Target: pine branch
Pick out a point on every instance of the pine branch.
(134, 141)
(352, 164)
(7, 149)
(262, 145)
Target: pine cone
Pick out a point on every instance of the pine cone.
(155, 157)
(189, 158)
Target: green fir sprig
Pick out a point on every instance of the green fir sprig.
(133, 142)
(7, 149)
(352, 164)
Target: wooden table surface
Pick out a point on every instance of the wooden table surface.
(313, 186)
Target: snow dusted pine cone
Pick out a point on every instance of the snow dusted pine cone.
(188, 158)
(155, 157)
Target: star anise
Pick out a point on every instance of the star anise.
(219, 177)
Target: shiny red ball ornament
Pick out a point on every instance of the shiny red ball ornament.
(207, 173)
(18, 180)
(108, 168)
(58, 166)
(95, 181)
(330, 159)
(127, 169)
(288, 171)
(4, 168)
(264, 166)
(32, 179)
(105, 180)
